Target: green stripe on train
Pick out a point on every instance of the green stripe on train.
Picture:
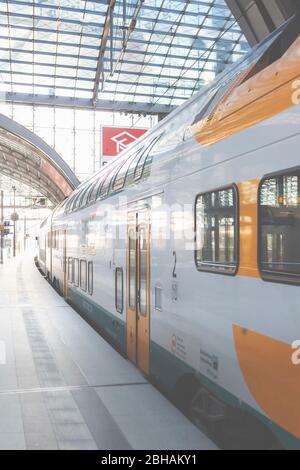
(166, 368)
(112, 328)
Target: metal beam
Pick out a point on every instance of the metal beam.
(163, 33)
(80, 103)
(123, 72)
(196, 47)
(59, 8)
(259, 18)
(103, 44)
(95, 25)
(114, 49)
(116, 92)
(92, 69)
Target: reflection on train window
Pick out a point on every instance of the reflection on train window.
(55, 239)
(145, 160)
(132, 268)
(158, 293)
(279, 227)
(139, 167)
(119, 180)
(84, 197)
(105, 185)
(74, 202)
(217, 231)
(76, 272)
(131, 170)
(73, 271)
(90, 277)
(83, 275)
(94, 190)
(70, 269)
(119, 290)
(143, 270)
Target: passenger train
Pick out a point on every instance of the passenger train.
(184, 252)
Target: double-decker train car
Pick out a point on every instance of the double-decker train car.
(184, 251)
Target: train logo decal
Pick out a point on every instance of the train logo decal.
(210, 362)
(173, 343)
(178, 347)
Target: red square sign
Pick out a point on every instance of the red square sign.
(116, 139)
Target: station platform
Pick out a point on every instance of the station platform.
(62, 386)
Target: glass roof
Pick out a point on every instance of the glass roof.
(147, 52)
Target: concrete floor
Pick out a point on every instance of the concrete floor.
(62, 386)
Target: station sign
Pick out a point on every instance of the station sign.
(116, 139)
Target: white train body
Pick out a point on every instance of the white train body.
(231, 332)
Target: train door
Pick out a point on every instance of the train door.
(138, 288)
(65, 264)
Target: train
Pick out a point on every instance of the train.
(184, 250)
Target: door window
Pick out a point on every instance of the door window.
(132, 268)
(143, 271)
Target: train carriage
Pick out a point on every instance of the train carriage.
(184, 252)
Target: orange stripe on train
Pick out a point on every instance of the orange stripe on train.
(272, 379)
(248, 193)
(266, 94)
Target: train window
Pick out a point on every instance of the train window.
(73, 271)
(119, 180)
(70, 203)
(158, 293)
(131, 170)
(144, 160)
(105, 185)
(70, 269)
(279, 227)
(84, 196)
(74, 202)
(55, 239)
(95, 188)
(114, 175)
(132, 268)
(139, 167)
(217, 231)
(77, 203)
(49, 239)
(83, 275)
(119, 290)
(143, 271)
(76, 272)
(90, 277)
(100, 184)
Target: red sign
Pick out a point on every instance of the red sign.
(116, 139)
